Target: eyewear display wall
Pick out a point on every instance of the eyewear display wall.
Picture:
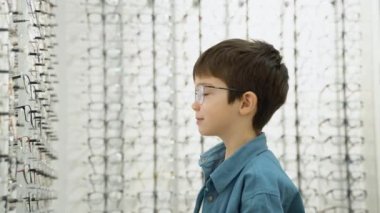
(128, 140)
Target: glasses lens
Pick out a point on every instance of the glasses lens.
(199, 94)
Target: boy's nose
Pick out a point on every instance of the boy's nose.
(195, 106)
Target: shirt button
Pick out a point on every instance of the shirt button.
(210, 198)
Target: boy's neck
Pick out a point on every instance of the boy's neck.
(236, 141)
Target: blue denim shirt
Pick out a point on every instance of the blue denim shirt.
(251, 180)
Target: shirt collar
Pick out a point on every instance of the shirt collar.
(221, 171)
(210, 159)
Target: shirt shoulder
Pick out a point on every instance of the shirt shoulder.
(263, 174)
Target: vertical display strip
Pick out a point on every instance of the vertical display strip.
(27, 105)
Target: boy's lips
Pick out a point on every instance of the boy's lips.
(199, 120)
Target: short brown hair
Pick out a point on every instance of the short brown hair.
(249, 66)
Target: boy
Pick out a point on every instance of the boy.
(239, 85)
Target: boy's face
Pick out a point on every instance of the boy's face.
(214, 116)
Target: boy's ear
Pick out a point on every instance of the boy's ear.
(248, 103)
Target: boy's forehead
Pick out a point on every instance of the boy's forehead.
(208, 80)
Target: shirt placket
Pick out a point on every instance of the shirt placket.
(210, 195)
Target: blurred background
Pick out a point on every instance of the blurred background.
(95, 101)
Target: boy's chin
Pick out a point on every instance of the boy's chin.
(205, 133)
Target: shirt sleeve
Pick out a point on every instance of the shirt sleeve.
(297, 204)
(263, 203)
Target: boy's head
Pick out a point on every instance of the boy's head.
(247, 66)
